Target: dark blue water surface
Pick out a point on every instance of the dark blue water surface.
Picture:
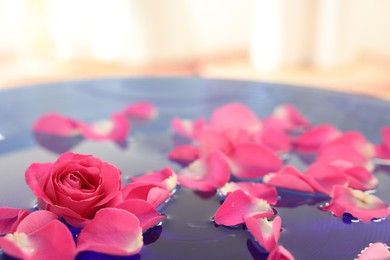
(188, 231)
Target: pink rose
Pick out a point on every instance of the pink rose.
(75, 186)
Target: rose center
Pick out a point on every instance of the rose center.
(73, 181)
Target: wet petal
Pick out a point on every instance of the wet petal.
(275, 138)
(352, 139)
(10, 219)
(184, 154)
(289, 178)
(280, 253)
(382, 150)
(57, 124)
(346, 153)
(206, 174)
(254, 161)
(360, 204)
(49, 239)
(233, 117)
(148, 216)
(378, 251)
(312, 140)
(112, 231)
(360, 178)
(265, 232)
(211, 141)
(255, 189)
(238, 206)
(141, 110)
(186, 127)
(117, 128)
(167, 177)
(292, 118)
(154, 193)
(323, 177)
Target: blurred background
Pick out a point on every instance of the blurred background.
(335, 44)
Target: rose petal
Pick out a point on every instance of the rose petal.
(148, 216)
(112, 231)
(275, 138)
(312, 140)
(141, 110)
(323, 177)
(352, 139)
(265, 232)
(35, 221)
(292, 118)
(382, 150)
(117, 128)
(343, 153)
(254, 161)
(255, 189)
(280, 253)
(206, 174)
(184, 154)
(10, 219)
(211, 141)
(50, 240)
(289, 178)
(167, 177)
(233, 117)
(154, 193)
(359, 204)
(36, 176)
(238, 206)
(378, 251)
(187, 127)
(360, 178)
(57, 124)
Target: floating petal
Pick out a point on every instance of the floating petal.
(280, 253)
(154, 193)
(289, 178)
(377, 251)
(141, 110)
(112, 231)
(254, 161)
(186, 127)
(117, 128)
(10, 219)
(360, 204)
(312, 140)
(238, 206)
(148, 216)
(184, 154)
(265, 232)
(57, 124)
(292, 118)
(255, 189)
(206, 174)
(167, 177)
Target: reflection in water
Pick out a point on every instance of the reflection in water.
(57, 144)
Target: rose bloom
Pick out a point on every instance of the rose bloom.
(75, 186)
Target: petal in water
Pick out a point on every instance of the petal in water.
(360, 204)
(10, 219)
(275, 138)
(112, 231)
(206, 174)
(167, 177)
(382, 150)
(360, 178)
(289, 178)
(116, 129)
(40, 236)
(290, 116)
(154, 193)
(148, 216)
(265, 232)
(184, 154)
(238, 206)
(234, 117)
(323, 177)
(186, 127)
(280, 253)
(378, 251)
(141, 110)
(254, 161)
(255, 189)
(312, 140)
(57, 124)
